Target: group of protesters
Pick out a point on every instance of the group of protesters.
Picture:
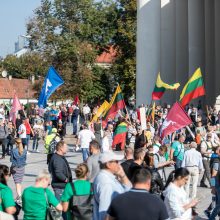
(110, 184)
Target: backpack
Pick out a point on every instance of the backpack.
(81, 207)
(52, 145)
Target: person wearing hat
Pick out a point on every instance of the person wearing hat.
(53, 137)
(110, 182)
(206, 151)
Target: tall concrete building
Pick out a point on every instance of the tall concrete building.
(175, 37)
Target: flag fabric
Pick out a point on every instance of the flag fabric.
(193, 88)
(16, 106)
(161, 87)
(76, 100)
(120, 135)
(153, 112)
(176, 119)
(100, 111)
(117, 103)
(52, 81)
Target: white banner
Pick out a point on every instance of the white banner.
(143, 118)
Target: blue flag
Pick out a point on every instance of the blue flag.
(52, 81)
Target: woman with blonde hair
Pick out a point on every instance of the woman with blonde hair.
(38, 198)
(77, 193)
(18, 160)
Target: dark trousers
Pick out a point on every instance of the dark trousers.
(3, 142)
(9, 148)
(54, 123)
(207, 173)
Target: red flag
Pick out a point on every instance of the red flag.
(76, 100)
(176, 118)
(16, 105)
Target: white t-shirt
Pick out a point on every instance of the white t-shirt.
(105, 144)
(85, 137)
(22, 131)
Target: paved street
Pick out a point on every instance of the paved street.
(37, 162)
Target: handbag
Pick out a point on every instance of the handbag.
(12, 169)
(51, 212)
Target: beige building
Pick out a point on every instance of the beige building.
(175, 37)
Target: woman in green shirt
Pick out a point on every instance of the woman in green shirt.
(34, 201)
(7, 203)
(74, 193)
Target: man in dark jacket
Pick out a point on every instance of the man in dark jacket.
(75, 116)
(60, 169)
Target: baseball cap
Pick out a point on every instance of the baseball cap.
(54, 130)
(109, 156)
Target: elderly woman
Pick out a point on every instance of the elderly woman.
(35, 199)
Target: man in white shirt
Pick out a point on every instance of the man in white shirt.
(193, 162)
(84, 138)
(23, 133)
(86, 111)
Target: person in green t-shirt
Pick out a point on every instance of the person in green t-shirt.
(34, 203)
(81, 185)
(7, 203)
(177, 151)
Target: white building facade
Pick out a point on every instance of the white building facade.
(175, 37)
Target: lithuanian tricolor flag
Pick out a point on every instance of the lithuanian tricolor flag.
(193, 88)
(117, 103)
(161, 87)
(120, 135)
(100, 111)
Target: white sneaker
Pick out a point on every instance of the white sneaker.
(37, 151)
(28, 152)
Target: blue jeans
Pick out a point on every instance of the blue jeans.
(178, 163)
(216, 210)
(35, 142)
(58, 193)
(28, 137)
(74, 126)
(85, 154)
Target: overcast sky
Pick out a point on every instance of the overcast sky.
(14, 15)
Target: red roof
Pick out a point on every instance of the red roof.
(22, 87)
(107, 57)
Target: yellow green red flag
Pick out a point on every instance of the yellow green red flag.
(161, 87)
(193, 88)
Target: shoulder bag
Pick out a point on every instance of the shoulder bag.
(51, 212)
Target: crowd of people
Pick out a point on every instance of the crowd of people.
(110, 184)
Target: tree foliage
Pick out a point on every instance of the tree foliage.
(69, 34)
(124, 68)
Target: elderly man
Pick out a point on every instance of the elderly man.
(193, 162)
(110, 182)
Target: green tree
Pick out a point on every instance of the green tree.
(30, 64)
(69, 34)
(124, 68)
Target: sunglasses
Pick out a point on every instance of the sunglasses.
(113, 161)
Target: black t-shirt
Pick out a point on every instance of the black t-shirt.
(126, 165)
(137, 205)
